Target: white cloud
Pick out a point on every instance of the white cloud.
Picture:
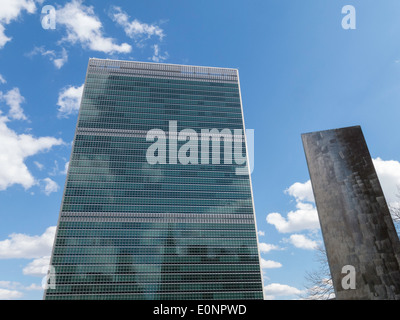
(37, 267)
(13, 285)
(39, 165)
(304, 218)
(14, 99)
(3, 38)
(50, 186)
(306, 215)
(42, 51)
(11, 10)
(135, 29)
(34, 286)
(302, 242)
(301, 191)
(261, 233)
(69, 100)
(14, 149)
(56, 170)
(9, 284)
(84, 27)
(276, 289)
(10, 290)
(59, 62)
(24, 246)
(65, 171)
(58, 59)
(266, 247)
(6, 294)
(157, 56)
(389, 176)
(269, 264)
(2, 80)
(388, 172)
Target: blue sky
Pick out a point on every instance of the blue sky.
(300, 71)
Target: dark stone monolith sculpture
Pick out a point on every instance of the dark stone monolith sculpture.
(361, 242)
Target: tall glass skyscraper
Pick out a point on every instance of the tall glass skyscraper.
(155, 204)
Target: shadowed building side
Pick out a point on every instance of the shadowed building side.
(357, 228)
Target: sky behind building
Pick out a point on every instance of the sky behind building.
(300, 71)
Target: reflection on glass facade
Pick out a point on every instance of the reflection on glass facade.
(129, 229)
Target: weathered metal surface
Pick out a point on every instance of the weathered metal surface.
(355, 220)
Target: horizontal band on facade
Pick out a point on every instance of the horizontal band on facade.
(165, 220)
(162, 70)
(157, 215)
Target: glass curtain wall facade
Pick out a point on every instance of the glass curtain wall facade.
(130, 229)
